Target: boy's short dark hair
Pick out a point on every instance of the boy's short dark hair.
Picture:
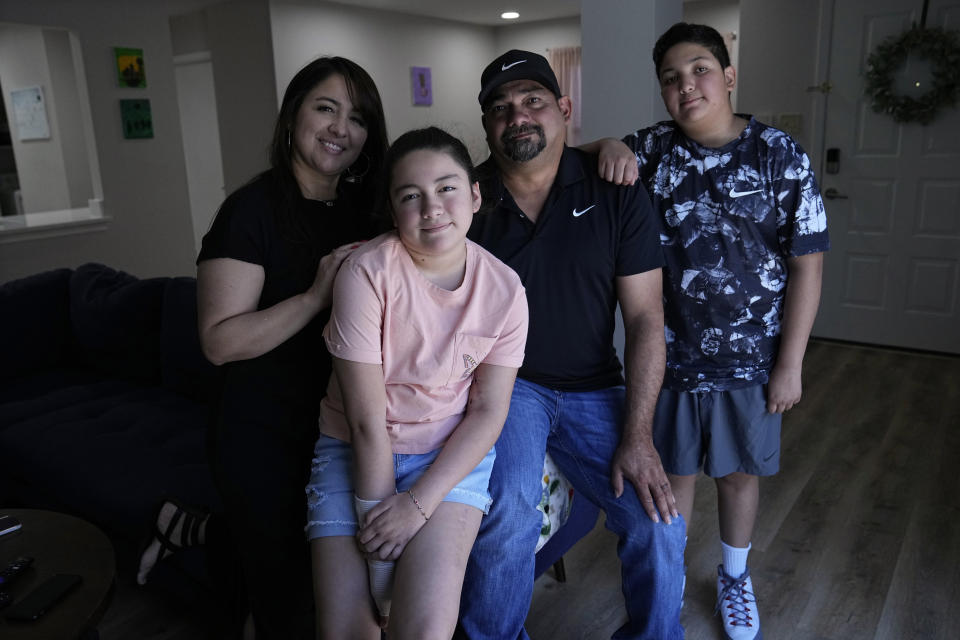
(701, 34)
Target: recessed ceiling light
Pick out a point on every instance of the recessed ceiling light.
(509, 15)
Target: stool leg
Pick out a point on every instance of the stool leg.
(559, 571)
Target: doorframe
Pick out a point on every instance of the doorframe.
(818, 126)
(201, 188)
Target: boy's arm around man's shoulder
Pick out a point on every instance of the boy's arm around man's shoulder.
(616, 162)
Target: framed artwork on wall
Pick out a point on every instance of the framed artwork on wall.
(420, 86)
(130, 71)
(135, 116)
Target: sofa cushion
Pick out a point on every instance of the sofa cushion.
(108, 449)
(35, 323)
(17, 395)
(116, 321)
(184, 369)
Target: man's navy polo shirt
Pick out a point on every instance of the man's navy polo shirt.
(589, 233)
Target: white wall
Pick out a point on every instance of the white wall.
(386, 45)
(620, 92)
(780, 56)
(239, 33)
(144, 181)
(536, 36)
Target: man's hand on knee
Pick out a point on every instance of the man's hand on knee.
(640, 465)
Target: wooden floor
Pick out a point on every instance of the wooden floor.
(858, 535)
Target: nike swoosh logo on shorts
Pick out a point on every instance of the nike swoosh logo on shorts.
(506, 66)
(577, 214)
(736, 194)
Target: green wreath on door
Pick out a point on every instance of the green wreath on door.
(941, 48)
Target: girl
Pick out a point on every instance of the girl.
(427, 333)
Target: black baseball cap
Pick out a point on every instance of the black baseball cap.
(517, 65)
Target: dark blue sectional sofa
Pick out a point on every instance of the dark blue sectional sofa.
(103, 398)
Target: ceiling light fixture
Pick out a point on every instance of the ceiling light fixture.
(509, 15)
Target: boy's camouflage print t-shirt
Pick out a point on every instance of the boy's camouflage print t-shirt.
(729, 219)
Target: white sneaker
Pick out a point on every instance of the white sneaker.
(737, 606)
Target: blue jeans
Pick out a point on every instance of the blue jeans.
(581, 430)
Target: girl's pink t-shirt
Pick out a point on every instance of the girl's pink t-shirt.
(429, 340)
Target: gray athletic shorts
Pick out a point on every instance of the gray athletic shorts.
(719, 431)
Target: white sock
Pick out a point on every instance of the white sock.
(380, 571)
(734, 559)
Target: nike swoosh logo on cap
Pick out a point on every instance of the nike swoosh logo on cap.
(577, 214)
(736, 194)
(506, 66)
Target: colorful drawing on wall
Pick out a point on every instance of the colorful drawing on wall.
(135, 116)
(130, 71)
(420, 86)
(30, 113)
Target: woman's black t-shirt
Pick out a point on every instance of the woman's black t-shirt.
(281, 389)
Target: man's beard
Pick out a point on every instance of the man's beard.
(523, 149)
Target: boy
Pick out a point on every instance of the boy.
(743, 231)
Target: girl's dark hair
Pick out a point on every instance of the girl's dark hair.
(701, 34)
(428, 139)
(363, 93)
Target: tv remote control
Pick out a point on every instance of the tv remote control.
(13, 569)
(42, 598)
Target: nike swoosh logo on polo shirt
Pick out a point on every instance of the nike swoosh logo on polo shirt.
(736, 194)
(506, 66)
(577, 214)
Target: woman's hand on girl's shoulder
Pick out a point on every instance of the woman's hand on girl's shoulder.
(321, 291)
(389, 527)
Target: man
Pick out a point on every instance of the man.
(580, 245)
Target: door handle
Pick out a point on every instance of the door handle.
(833, 194)
(824, 87)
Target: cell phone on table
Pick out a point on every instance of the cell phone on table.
(8, 524)
(43, 598)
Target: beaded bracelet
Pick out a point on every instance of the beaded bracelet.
(419, 506)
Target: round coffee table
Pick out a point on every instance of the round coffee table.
(58, 543)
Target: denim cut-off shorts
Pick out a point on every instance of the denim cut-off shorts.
(330, 510)
(720, 431)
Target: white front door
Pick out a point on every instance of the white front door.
(892, 276)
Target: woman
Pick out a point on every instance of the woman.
(264, 293)
(427, 333)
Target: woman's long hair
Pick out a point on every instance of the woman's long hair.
(363, 93)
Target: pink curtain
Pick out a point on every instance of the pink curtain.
(565, 62)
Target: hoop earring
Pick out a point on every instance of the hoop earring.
(352, 175)
(289, 141)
